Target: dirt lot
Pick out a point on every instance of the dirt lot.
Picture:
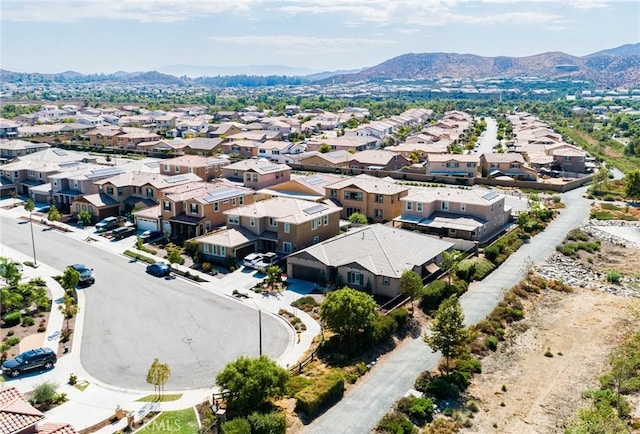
(579, 329)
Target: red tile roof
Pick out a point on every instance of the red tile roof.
(16, 413)
(56, 428)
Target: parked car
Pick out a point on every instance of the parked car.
(86, 274)
(267, 259)
(151, 236)
(159, 269)
(123, 232)
(38, 358)
(107, 224)
(250, 260)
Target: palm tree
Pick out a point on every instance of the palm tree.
(30, 206)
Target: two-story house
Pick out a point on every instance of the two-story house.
(307, 187)
(207, 168)
(378, 160)
(10, 149)
(280, 151)
(257, 173)
(280, 224)
(471, 214)
(334, 159)
(377, 198)
(506, 164)
(461, 165)
(67, 186)
(8, 129)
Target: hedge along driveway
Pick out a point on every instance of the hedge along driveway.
(361, 410)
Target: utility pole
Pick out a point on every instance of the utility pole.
(260, 328)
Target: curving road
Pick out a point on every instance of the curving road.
(131, 317)
(373, 397)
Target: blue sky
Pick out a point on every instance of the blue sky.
(140, 35)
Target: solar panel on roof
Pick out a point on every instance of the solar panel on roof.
(176, 178)
(491, 195)
(270, 168)
(313, 180)
(69, 164)
(109, 171)
(315, 209)
(221, 194)
(60, 152)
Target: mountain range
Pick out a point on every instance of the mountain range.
(611, 68)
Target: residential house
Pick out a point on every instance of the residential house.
(421, 150)
(166, 122)
(371, 258)
(8, 129)
(461, 165)
(307, 187)
(78, 181)
(163, 148)
(10, 149)
(207, 168)
(470, 214)
(378, 160)
(506, 164)
(334, 159)
(225, 129)
(257, 173)
(189, 128)
(377, 198)
(342, 143)
(280, 151)
(243, 148)
(193, 209)
(280, 224)
(201, 145)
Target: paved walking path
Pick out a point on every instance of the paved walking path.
(98, 401)
(373, 397)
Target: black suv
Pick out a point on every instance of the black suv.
(123, 232)
(38, 358)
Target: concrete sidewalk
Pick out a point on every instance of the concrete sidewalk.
(98, 401)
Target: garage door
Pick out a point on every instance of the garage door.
(146, 224)
(303, 272)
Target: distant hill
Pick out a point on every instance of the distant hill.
(623, 50)
(223, 71)
(609, 70)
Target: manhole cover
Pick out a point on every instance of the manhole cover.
(187, 340)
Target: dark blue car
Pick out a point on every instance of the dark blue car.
(159, 269)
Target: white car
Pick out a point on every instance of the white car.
(251, 259)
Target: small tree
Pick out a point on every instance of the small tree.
(632, 189)
(70, 279)
(324, 148)
(9, 272)
(251, 381)
(348, 312)
(68, 308)
(85, 218)
(158, 375)
(53, 214)
(274, 276)
(410, 285)
(448, 334)
(174, 256)
(358, 218)
(450, 262)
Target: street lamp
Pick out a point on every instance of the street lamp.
(259, 325)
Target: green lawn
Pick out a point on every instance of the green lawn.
(164, 398)
(176, 422)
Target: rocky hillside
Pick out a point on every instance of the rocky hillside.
(608, 68)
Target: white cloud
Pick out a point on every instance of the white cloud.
(144, 11)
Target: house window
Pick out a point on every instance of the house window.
(15, 174)
(31, 173)
(248, 177)
(241, 201)
(166, 169)
(316, 239)
(233, 201)
(205, 247)
(286, 247)
(149, 192)
(409, 206)
(166, 205)
(491, 207)
(326, 220)
(353, 195)
(55, 183)
(233, 219)
(463, 207)
(378, 213)
(272, 222)
(452, 164)
(386, 280)
(334, 192)
(419, 206)
(444, 206)
(109, 190)
(216, 206)
(120, 190)
(252, 221)
(379, 198)
(193, 207)
(207, 225)
(255, 177)
(355, 278)
(177, 169)
(287, 228)
(471, 164)
(515, 165)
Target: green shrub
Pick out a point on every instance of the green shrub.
(492, 343)
(28, 321)
(38, 281)
(44, 393)
(458, 287)
(400, 315)
(609, 198)
(206, 267)
(470, 365)
(466, 269)
(459, 379)
(12, 318)
(268, 423)
(440, 388)
(492, 252)
(383, 329)
(353, 372)
(326, 389)
(613, 276)
(419, 410)
(422, 382)
(396, 423)
(296, 383)
(482, 268)
(14, 340)
(139, 257)
(432, 295)
(236, 426)
(306, 303)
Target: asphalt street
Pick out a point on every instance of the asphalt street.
(375, 394)
(132, 317)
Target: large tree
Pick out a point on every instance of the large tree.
(348, 312)
(411, 285)
(251, 381)
(448, 333)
